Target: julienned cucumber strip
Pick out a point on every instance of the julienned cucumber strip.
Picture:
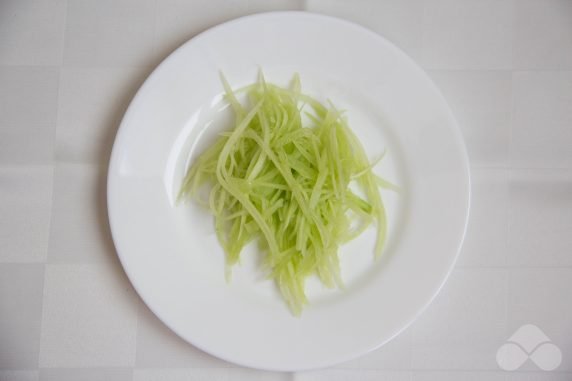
(284, 180)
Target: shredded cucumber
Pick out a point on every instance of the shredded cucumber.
(284, 180)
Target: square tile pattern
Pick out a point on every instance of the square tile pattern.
(21, 288)
(69, 68)
(28, 95)
(25, 213)
(199, 374)
(347, 374)
(19, 375)
(542, 116)
(109, 33)
(540, 218)
(541, 297)
(543, 34)
(32, 32)
(89, 317)
(468, 34)
(458, 376)
(92, 374)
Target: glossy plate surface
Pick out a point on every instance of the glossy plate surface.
(170, 252)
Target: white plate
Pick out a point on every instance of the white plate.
(170, 252)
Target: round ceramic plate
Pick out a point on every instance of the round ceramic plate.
(170, 252)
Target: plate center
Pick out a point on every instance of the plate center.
(357, 262)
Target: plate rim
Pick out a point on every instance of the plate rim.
(121, 131)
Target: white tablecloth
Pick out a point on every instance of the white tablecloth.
(69, 68)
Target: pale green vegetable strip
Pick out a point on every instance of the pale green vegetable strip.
(286, 184)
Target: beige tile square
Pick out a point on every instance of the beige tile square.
(32, 32)
(21, 313)
(541, 128)
(25, 210)
(543, 34)
(109, 33)
(89, 317)
(468, 34)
